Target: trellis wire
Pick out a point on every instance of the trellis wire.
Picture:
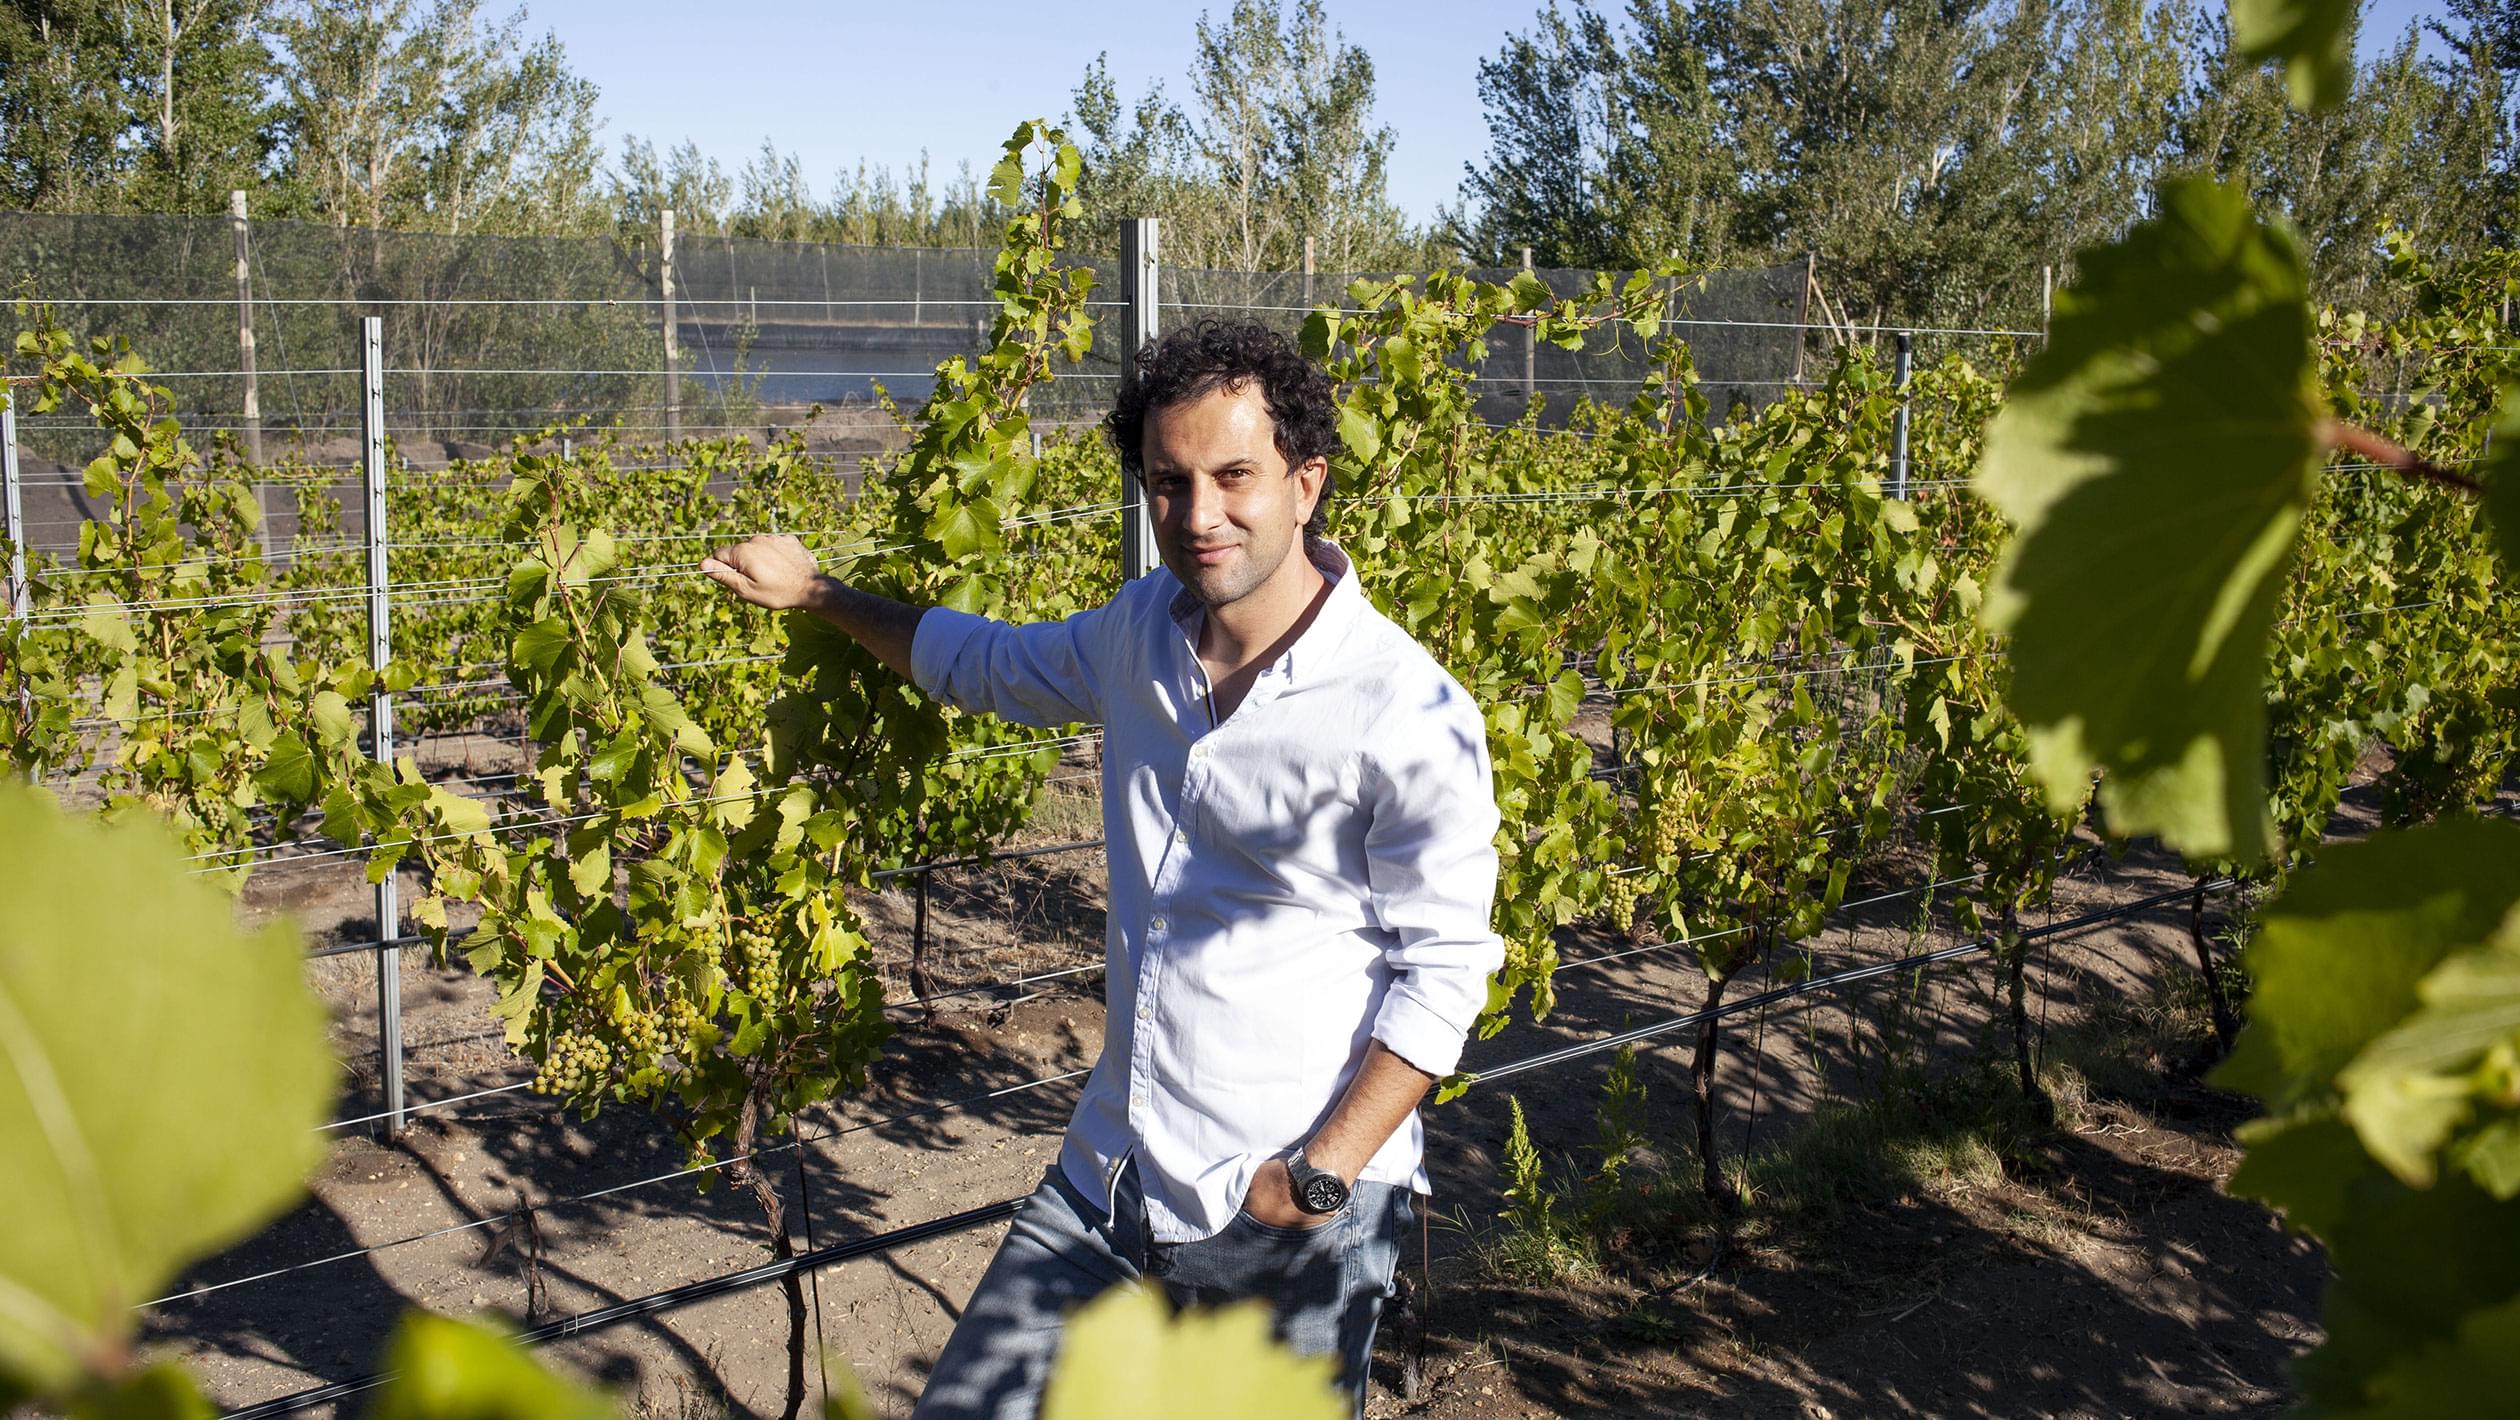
(748, 1278)
(1582, 1048)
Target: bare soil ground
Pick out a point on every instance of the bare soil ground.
(2098, 1271)
(2093, 1269)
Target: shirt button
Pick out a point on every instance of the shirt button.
(1156, 922)
(1181, 835)
(1146, 1011)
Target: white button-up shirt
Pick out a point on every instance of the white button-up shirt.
(1313, 873)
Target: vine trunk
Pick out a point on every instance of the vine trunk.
(1702, 1083)
(749, 1177)
(2225, 1024)
(2014, 953)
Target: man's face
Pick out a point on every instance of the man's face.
(1226, 509)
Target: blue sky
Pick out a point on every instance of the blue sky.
(839, 82)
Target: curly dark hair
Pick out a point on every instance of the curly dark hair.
(1213, 354)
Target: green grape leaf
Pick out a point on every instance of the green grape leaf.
(1006, 180)
(1564, 697)
(2156, 460)
(2309, 1166)
(2414, 1271)
(2500, 470)
(2314, 39)
(459, 813)
(162, 1392)
(133, 1012)
(1127, 1357)
(288, 772)
(2339, 959)
(2409, 1089)
(2355, 1029)
(961, 531)
(332, 717)
(451, 1370)
(1360, 433)
(538, 647)
(2475, 1372)
(108, 625)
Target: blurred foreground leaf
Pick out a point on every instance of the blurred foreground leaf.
(2313, 38)
(161, 1077)
(1127, 1357)
(2500, 468)
(2384, 1032)
(2156, 460)
(452, 1370)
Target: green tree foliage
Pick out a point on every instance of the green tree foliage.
(1932, 155)
(1935, 157)
(1677, 184)
(428, 117)
(1279, 144)
(418, 114)
(1549, 100)
(2420, 144)
(644, 185)
(772, 198)
(1136, 158)
(120, 105)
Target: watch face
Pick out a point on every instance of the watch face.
(1323, 1194)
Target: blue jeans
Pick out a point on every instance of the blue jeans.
(1326, 1284)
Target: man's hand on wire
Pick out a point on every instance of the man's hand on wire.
(777, 572)
(773, 571)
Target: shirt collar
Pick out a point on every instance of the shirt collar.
(1329, 627)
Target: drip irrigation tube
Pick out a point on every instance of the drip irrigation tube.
(667, 1300)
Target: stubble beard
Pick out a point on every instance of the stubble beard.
(1238, 578)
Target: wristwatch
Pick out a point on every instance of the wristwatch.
(1317, 1191)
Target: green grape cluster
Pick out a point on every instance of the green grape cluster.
(1666, 826)
(1619, 896)
(757, 959)
(573, 1062)
(643, 1032)
(682, 1020)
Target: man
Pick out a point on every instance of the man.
(1300, 832)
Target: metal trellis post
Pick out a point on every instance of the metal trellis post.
(1802, 312)
(381, 722)
(20, 599)
(673, 355)
(1899, 417)
(245, 364)
(21, 596)
(1531, 349)
(1137, 289)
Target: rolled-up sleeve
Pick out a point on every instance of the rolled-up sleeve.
(1040, 673)
(1430, 855)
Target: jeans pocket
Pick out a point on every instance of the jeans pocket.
(1328, 1225)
